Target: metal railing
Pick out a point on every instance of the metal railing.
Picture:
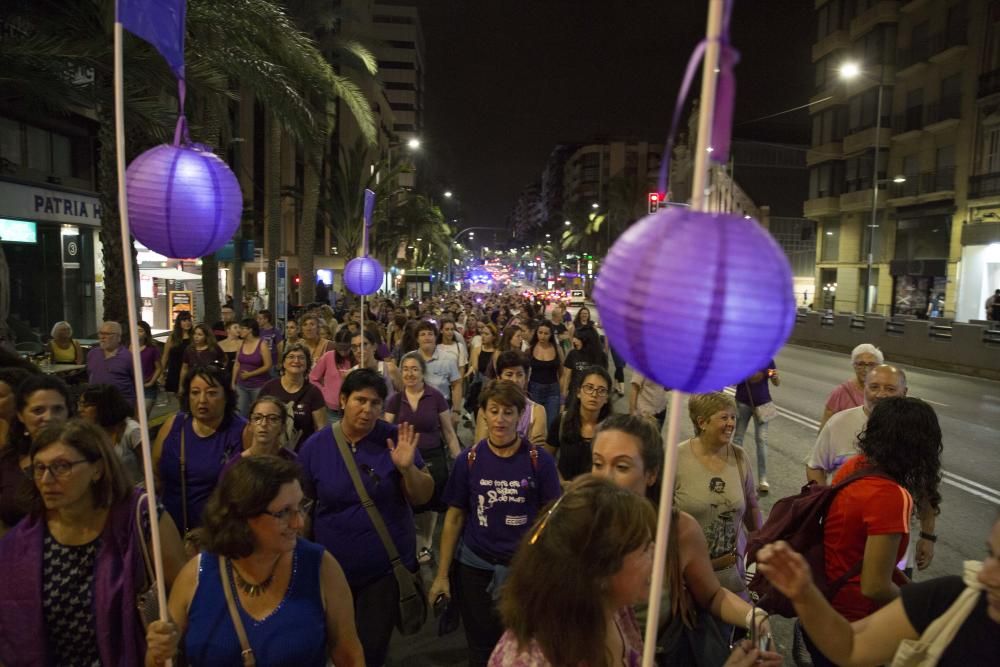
(940, 180)
(989, 83)
(984, 185)
(946, 108)
(908, 121)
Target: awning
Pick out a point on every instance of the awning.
(169, 274)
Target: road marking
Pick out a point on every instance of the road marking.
(927, 400)
(959, 482)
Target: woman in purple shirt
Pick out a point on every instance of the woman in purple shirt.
(193, 447)
(252, 369)
(427, 410)
(149, 357)
(750, 394)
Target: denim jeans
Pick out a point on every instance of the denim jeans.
(743, 414)
(549, 396)
(245, 396)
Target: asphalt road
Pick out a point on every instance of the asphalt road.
(969, 413)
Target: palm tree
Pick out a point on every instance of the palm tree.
(230, 43)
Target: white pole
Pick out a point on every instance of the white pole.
(133, 324)
(709, 81)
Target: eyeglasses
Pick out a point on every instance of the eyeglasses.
(285, 515)
(59, 469)
(591, 390)
(257, 418)
(865, 364)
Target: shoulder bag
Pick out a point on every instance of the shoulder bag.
(146, 600)
(765, 412)
(927, 651)
(246, 652)
(412, 601)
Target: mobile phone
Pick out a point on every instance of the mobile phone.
(440, 604)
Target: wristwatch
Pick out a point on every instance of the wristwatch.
(930, 537)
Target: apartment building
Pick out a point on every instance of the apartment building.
(895, 121)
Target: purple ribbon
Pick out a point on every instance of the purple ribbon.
(181, 136)
(725, 98)
(369, 209)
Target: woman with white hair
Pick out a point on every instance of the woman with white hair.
(63, 349)
(851, 394)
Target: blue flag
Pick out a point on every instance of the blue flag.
(159, 22)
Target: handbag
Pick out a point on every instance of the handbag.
(764, 412)
(246, 652)
(926, 651)
(412, 601)
(146, 600)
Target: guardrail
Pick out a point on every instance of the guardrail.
(972, 348)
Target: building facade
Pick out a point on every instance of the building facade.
(893, 232)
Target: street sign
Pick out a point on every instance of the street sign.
(281, 285)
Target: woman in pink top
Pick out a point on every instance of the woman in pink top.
(329, 372)
(851, 394)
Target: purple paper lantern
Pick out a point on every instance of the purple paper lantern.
(363, 275)
(182, 201)
(696, 301)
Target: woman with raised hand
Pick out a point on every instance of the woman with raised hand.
(289, 594)
(73, 567)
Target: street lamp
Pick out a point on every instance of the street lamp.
(595, 205)
(849, 71)
(447, 194)
(413, 144)
(568, 223)
(454, 242)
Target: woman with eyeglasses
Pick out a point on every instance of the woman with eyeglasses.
(330, 370)
(851, 394)
(495, 490)
(586, 352)
(73, 567)
(195, 443)
(300, 397)
(369, 359)
(587, 408)
(289, 594)
(265, 434)
(39, 400)
(173, 351)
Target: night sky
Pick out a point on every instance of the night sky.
(508, 79)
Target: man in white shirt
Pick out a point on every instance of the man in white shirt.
(838, 438)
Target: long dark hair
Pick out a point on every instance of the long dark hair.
(591, 349)
(903, 439)
(552, 340)
(569, 431)
(177, 333)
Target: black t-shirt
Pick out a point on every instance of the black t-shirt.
(302, 405)
(979, 635)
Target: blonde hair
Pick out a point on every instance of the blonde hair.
(703, 406)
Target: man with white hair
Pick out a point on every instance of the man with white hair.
(110, 363)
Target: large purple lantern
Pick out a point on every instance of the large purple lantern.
(183, 201)
(363, 275)
(696, 301)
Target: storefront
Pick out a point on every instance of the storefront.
(50, 240)
(979, 270)
(919, 267)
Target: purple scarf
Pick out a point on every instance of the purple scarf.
(118, 572)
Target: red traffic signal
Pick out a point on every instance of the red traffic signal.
(297, 280)
(654, 202)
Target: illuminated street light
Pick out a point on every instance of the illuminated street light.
(849, 70)
(595, 205)
(568, 223)
(413, 144)
(899, 179)
(447, 194)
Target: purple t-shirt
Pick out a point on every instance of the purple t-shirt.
(249, 363)
(148, 356)
(760, 391)
(115, 370)
(500, 496)
(340, 523)
(426, 420)
(273, 336)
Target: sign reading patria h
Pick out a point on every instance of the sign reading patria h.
(44, 204)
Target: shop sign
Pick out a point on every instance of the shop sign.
(181, 301)
(47, 205)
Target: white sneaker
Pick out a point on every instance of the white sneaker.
(763, 487)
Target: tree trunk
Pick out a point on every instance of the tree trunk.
(273, 228)
(307, 231)
(210, 288)
(115, 306)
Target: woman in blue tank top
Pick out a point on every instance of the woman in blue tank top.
(290, 595)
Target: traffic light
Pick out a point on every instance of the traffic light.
(654, 202)
(297, 280)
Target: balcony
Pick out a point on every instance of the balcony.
(860, 200)
(943, 113)
(989, 83)
(928, 186)
(949, 42)
(838, 39)
(984, 185)
(912, 58)
(833, 150)
(861, 137)
(819, 207)
(910, 121)
(884, 11)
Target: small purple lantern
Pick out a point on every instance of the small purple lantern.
(363, 275)
(183, 201)
(696, 301)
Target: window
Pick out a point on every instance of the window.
(10, 141)
(825, 179)
(920, 42)
(829, 18)
(396, 64)
(863, 108)
(911, 167)
(388, 18)
(400, 44)
(39, 150)
(62, 156)
(400, 85)
(878, 46)
(828, 126)
(830, 243)
(991, 150)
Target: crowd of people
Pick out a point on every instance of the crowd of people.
(301, 479)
